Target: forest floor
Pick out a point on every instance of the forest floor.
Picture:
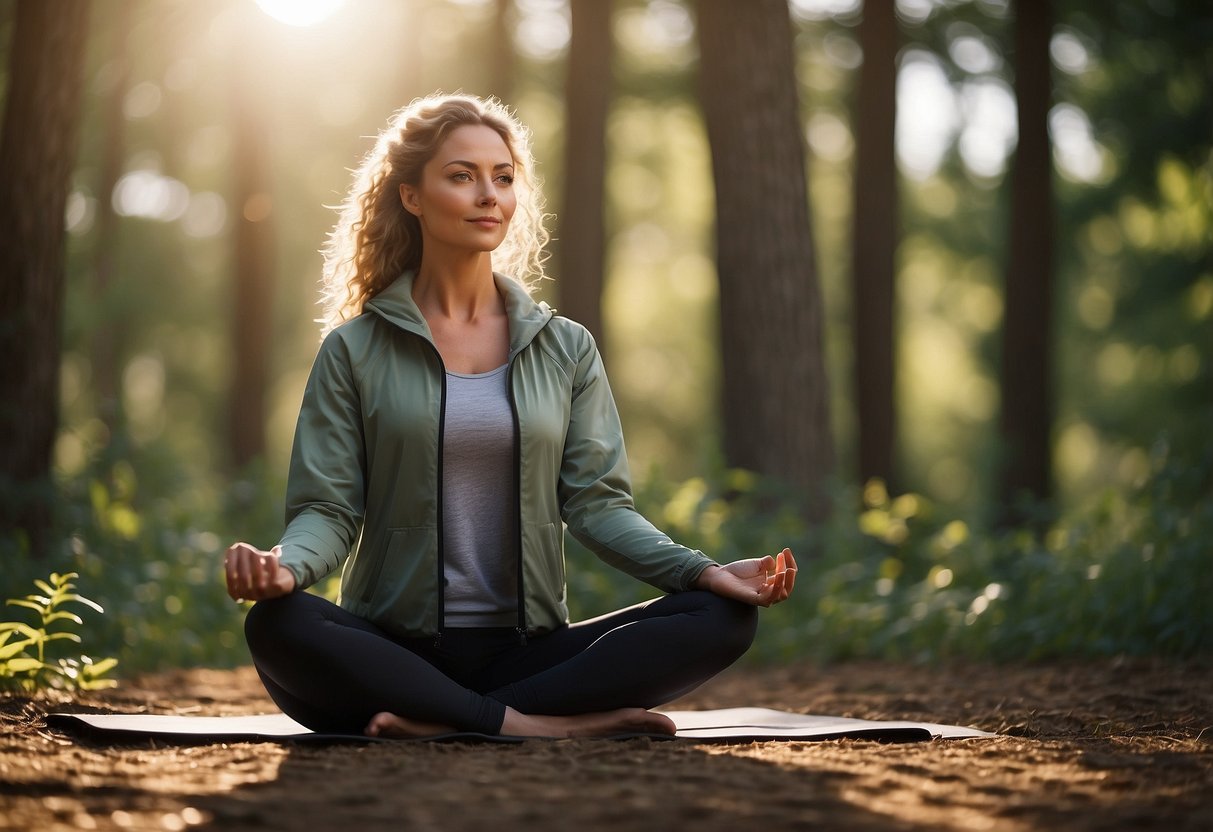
(1091, 745)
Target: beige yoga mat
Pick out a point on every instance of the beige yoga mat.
(725, 725)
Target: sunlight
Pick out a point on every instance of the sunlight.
(300, 12)
(928, 114)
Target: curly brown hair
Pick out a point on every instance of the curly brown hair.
(376, 239)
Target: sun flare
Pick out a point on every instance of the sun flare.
(300, 12)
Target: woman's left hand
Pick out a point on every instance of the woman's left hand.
(759, 581)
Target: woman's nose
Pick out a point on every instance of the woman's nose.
(486, 196)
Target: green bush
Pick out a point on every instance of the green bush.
(887, 577)
(148, 543)
(898, 578)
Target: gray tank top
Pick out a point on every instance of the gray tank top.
(479, 502)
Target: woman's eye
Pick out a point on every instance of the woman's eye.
(462, 176)
(505, 179)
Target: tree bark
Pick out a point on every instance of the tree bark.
(776, 395)
(37, 152)
(253, 290)
(874, 243)
(503, 62)
(106, 351)
(1027, 395)
(583, 207)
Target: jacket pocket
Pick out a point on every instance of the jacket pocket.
(543, 565)
(405, 566)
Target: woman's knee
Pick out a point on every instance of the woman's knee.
(735, 624)
(267, 621)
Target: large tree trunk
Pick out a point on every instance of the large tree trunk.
(1027, 395)
(776, 395)
(37, 152)
(253, 290)
(582, 212)
(874, 242)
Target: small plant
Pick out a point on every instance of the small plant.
(23, 660)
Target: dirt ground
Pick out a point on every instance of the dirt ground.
(1109, 745)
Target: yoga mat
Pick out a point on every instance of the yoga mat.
(725, 725)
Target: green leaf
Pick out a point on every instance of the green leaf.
(100, 668)
(21, 602)
(81, 599)
(68, 636)
(63, 616)
(23, 665)
(45, 587)
(17, 627)
(10, 650)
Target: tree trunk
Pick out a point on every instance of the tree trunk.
(503, 61)
(1027, 396)
(874, 242)
(105, 357)
(253, 295)
(582, 211)
(776, 395)
(37, 152)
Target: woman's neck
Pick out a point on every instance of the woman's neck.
(462, 290)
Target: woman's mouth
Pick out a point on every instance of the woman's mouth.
(485, 222)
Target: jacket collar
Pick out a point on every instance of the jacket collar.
(526, 317)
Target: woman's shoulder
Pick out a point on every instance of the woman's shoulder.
(572, 335)
(355, 341)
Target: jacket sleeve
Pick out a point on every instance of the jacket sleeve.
(325, 492)
(595, 488)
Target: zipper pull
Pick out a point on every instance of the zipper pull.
(438, 640)
(521, 635)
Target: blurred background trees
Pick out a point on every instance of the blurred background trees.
(890, 138)
(37, 147)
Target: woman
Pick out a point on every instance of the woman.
(449, 428)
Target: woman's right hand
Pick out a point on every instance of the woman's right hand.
(254, 575)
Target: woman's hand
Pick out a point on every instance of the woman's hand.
(759, 581)
(254, 575)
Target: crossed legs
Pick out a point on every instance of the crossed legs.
(333, 671)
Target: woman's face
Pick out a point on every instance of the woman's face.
(465, 198)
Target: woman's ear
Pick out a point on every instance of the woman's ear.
(408, 198)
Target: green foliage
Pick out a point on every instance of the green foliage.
(147, 537)
(24, 663)
(900, 578)
(890, 576)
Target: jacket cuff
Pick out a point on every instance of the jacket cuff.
(692, 569)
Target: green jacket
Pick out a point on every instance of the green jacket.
(366, 466)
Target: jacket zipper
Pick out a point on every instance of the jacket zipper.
(441, 557)
(521, 628)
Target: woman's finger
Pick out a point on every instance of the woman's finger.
(229, 571)
(766, 565)
(790, 564)
(262, 574)
(239, 573)
(245, 558)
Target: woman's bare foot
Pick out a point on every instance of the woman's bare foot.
(604, 724)
(389, 725)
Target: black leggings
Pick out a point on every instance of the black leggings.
(332, 671)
